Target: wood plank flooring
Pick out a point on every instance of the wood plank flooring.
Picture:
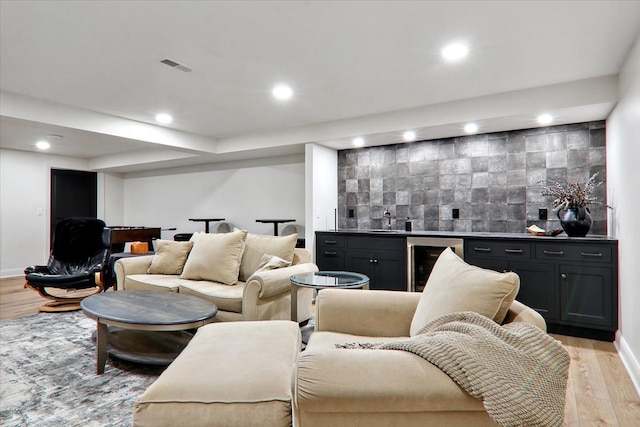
(599, 393)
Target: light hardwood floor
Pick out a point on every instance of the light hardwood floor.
(600, 392)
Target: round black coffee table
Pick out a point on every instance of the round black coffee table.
(145, 326)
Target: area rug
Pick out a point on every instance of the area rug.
(48, 375)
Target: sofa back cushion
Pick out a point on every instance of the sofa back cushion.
(454, 285)
(258, 245)
(215, 257)
(170, 257)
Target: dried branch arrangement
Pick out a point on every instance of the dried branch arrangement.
(574, 195)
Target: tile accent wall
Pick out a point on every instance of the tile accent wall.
(491, 178)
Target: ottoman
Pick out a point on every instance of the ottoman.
(230, 374)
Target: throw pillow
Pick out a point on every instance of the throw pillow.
(170, 257)
(215, 257)
(258, 245)
(271, 262)
(454, 285)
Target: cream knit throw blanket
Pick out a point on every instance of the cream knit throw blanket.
(518, 371)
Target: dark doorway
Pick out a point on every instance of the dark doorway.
(73, 193)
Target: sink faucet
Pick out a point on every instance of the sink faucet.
(387, 215)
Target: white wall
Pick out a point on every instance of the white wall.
(241, 192)
(623, 178)
(321, 191)
(25, 182)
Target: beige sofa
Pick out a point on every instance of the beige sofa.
(239, 291)
(337, 387)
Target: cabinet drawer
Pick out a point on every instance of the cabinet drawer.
(488, 248)
(574, 253)
(328, 240)
(330, 259)
(377, 243)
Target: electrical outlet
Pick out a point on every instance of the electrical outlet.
(542, 213)
(455, 213)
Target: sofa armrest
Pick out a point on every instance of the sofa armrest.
(518, 312)
(365, 312)
(278, 281)
(128, 266)
(301, 256)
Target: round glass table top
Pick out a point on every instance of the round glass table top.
(330, 279)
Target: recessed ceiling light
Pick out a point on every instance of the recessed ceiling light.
(43, 145)
(545, 119)
(471, 128)
(282, 92)
(409, 136)
(164, 118)
(358, 142)
(455, 51)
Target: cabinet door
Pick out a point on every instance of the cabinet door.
(361, 262)
(537, 287)
(586, 295)
(391, 271)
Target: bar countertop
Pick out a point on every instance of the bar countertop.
(471, 235)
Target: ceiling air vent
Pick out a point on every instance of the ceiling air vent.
(176, 65)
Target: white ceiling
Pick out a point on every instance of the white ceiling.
(90, 71)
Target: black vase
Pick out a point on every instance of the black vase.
(575, 220)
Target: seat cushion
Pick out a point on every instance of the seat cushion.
(258, 245)
(454, 285)
(331, 379)
(151, 282)
(215, 257)
(225, 297)
(170, 257)
(230, 374)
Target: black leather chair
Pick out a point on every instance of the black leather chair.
(78, 260)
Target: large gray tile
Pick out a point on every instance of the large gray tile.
(480, 164)
(578, 140)
(556, 141)
(480, 180)
(516, 161)
(597, 137)
(556, 159)
(535, 142)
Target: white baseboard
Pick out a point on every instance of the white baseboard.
(15, 272)
(628, 360)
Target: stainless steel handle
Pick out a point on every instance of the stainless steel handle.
(554, 252)
(591, 254)
(482, 249)
(330, 242)
(513, 251)
(563, 276)
(331, 253)
(434, 255)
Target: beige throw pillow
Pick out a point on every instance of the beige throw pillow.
(170, 257)
(271, 262)
(455, 286)
(216, 257)
(258, 245)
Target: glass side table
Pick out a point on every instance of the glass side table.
(324, 280)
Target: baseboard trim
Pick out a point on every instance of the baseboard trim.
(7, 274)
(628, 360)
